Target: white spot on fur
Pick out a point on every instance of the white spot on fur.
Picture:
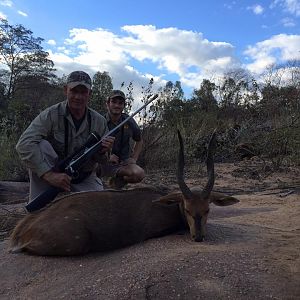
(66, 217)
(77, 237)
(16, 249)
(76, 219)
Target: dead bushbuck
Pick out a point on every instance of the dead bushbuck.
(95, 221)
(106, 220)
(194, 202)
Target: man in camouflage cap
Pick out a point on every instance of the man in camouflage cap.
(57, 132)
(122, 166)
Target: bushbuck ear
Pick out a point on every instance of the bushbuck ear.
(224, 201)
(172, 198)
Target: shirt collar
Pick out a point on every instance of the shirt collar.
(67, 110)
(108, 118)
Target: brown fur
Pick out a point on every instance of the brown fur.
(95, 221)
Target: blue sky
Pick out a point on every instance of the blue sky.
(167, 40)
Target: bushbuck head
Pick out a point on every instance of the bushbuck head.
(195, 201)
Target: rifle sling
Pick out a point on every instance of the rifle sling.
(66, 125)
(66, 136)
(81, 175)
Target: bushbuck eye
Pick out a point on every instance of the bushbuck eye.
(207, 212)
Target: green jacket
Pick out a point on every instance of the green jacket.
(50, 125)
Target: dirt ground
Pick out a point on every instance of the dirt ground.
(252, 250)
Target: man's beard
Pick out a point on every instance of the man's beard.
(116, 113)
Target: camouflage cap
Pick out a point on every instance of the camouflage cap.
(117, 93)
(79, 78)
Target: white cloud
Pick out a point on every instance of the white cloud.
(176, 50)
(230, 5)
(165, 51)
(3, 16)
(22, 13)
(277, 49)
(288, 22)
(51, 42)
(8, 3)
(256, 9)
(60, 58)
(293, 6)
(290, 6)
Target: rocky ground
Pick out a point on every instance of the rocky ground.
(252, 250)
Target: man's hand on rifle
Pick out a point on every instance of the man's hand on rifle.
(60, 180)
(107, 144)
(114, 159)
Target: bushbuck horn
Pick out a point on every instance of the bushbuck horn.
(180, 170)
(194, 202)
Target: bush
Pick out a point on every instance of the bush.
(11, 167)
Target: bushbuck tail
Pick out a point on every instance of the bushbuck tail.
(194, 202)
(101, 221)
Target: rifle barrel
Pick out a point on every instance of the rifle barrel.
(93, 149)
(129, 117)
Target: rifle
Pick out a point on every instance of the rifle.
(73, 163)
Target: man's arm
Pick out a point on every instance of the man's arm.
(30, 152)
(137, 148)
(28, 144)
(138, 140)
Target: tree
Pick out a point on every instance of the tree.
(2, 95)
(30, 99)
(102, 87)
(204, 97)
(22, 55)
(172, 91)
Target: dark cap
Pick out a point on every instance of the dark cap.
(79, 78)
(117, 93)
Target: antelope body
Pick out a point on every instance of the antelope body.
(101, 221)
(95, 221)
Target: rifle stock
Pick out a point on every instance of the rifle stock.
(43, 199)
(72, 164)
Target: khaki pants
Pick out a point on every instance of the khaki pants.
(38, 185)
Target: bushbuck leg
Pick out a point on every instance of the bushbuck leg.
(195, 201)
(95, 221)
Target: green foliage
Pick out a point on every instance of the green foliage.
(129, 97)
(204, 98)
(22, 54)
(102, 87)
(244, 113)
(149, 114)
(27, 85)
(11, 167)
